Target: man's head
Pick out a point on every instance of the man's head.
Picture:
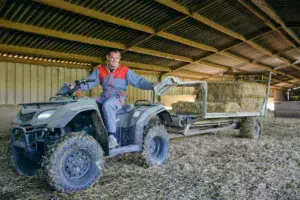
(113, 58)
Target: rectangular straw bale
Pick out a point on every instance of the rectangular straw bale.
(248, 95)
(183, 107)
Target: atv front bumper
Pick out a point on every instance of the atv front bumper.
(28, 138)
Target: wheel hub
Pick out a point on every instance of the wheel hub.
(155, 146)
(77, 164)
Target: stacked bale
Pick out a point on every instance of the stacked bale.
(248, 95)
(184, 107)
(295, 98)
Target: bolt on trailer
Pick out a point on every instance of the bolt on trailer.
(187, 124)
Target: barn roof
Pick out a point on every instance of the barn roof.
(191, 38)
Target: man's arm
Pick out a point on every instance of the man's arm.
(138, 81)
(90, 85)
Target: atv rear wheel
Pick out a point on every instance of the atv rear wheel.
(250, 128)
(23, 163)
(73, 163)
(156, 146)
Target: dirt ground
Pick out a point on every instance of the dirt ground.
(212, 166)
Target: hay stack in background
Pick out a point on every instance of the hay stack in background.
(295, 98)
(183, 107)
(248, 95)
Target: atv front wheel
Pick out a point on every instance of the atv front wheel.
(73, 163)
(24, 163)
(156, 146)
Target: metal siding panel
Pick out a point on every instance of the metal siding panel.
(48, 80)
(11, 84)
(3, 78)
(54, 76)
(73, 74)
(41, 83)
(26, 82)
(19, 83)
(61, 76)
(34, 83)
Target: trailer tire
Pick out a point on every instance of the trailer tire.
(250, 128)
(156, 146)
(73, 163)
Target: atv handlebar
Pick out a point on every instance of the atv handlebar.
(84, 81)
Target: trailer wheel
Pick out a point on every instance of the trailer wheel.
(73, 163)
(250, 128)
(156, 146)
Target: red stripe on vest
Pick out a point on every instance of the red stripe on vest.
(103, 72)
(121, 72)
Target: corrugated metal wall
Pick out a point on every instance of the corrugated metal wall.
(31, 83)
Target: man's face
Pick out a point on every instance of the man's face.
(113, 59)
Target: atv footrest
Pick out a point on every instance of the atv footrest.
(126, 149)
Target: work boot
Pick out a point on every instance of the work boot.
(112, 141)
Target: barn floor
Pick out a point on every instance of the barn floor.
(213, 166)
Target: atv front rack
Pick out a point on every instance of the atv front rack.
(30, 140)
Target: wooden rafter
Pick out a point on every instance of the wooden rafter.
(273, 27)
(87, 40)
(265, 7)
(229, 32)
(94, 14)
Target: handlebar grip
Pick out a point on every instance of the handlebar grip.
(90, 80)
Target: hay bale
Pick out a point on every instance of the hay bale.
(248, 95)
(295, 98)
(183, 107)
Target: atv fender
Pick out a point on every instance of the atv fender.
(64, 116)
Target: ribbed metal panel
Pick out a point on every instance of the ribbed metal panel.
(233, 15)
(153, 60)
(135, 94)
(18, 38)
(287, 70)
(272, 62)
(292, 55)
(288, 10)
(145, 12)
(247, 51)
(164, 45)
(223, 60)
(272, 41)
(199, 32)
(33, 13)
(21, 83)
(194, 4)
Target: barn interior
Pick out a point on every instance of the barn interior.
(45, 43)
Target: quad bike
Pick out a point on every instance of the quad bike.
(66, 138)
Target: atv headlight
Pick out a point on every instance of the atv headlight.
(45, 115)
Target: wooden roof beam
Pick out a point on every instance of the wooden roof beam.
(265, 7)
(92, 41)
(273, 27)
(229, 32)
(95, 14)
(101, 16)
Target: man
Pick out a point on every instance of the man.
(114, 79)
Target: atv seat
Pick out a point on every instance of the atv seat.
(125, 109)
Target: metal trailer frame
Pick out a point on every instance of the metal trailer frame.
(206, 122)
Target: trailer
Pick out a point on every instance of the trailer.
(191, 124)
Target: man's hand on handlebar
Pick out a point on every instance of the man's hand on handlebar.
(79, 82)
